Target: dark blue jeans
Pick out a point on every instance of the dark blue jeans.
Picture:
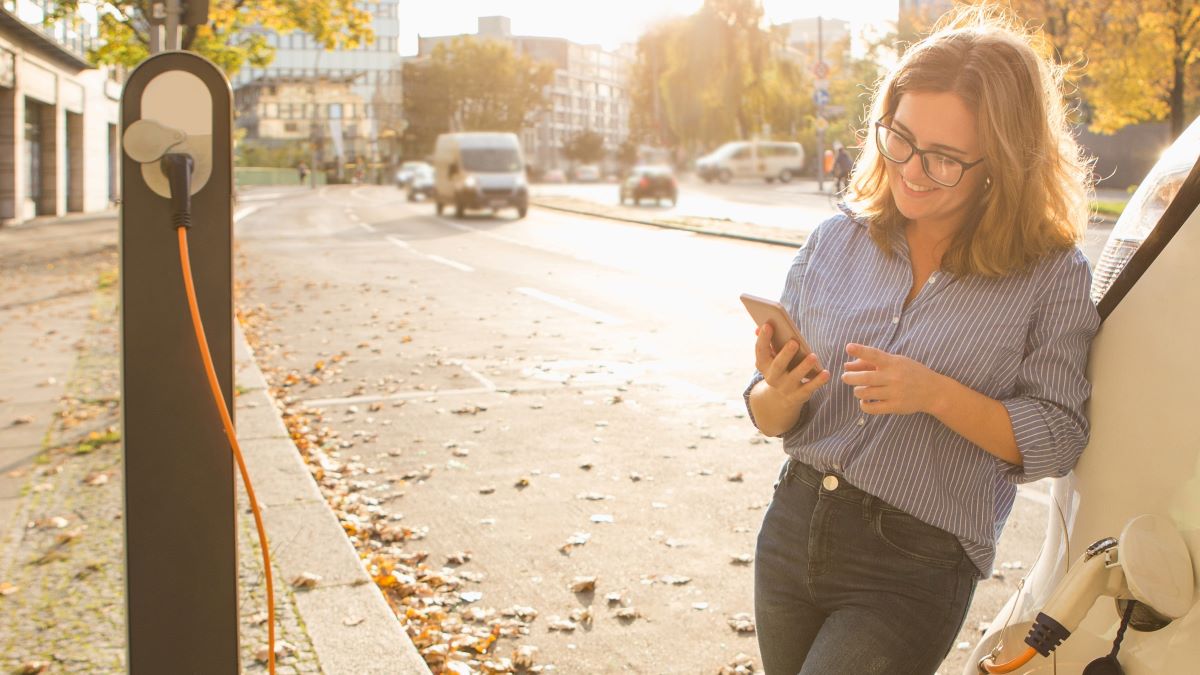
(845, 583)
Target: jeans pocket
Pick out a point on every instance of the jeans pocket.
(917, 540)
(783, 474)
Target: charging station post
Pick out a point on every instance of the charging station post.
(180, 520)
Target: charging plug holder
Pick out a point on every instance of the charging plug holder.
(176, 109)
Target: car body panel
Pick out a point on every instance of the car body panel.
(1144, 453)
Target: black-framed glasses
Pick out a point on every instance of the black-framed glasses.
(941, 168)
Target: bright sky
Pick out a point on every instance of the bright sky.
(607, 22)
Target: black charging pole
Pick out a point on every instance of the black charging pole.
(180, 521)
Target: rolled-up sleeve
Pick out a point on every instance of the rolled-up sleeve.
(790, 299)
(1047, 405)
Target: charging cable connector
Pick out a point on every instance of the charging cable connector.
(178, 168)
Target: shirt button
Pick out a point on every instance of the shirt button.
(829, 483)
(895, 319)
(862, 421)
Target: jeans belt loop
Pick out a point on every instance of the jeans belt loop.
(868, 507)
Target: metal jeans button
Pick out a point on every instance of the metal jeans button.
(829, 482)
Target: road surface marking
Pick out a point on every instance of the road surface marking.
(438, 393)
(474, 373)
(595, 314)
(449, 263)
(367, 226)
(435, 258)
(245, 212)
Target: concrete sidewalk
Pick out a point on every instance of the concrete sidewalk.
(62, 581)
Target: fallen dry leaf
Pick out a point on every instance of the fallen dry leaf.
(24, 419)
(583, 584)
(7, 588)
(582, 616)
(522, 483)
(353, 621)
(742, 559)
(524, 656)
(628, 614)
(742, 623)
(96, 479)
(282, 649)
(740, 665)
(306, 580)
(562, 625)
(735, 477)
(33, 667)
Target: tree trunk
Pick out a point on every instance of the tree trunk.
(1177, 111)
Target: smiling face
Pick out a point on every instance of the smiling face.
(941, 122)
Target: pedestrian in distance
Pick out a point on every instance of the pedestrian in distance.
(302, 170)
(841, 169)
(949, 305)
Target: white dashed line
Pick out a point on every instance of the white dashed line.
(367, 226)
(449, 263)
(594, 314)
(435, 258)
(245, 212)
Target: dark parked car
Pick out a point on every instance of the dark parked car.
(649, 182)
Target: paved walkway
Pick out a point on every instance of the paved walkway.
(62, 582)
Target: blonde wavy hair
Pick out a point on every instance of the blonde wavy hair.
(1035, 202)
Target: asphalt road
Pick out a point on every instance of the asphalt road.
(602, 362)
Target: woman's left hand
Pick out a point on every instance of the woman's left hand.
(889, 384)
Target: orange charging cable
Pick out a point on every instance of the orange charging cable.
(989, 664)
(227, 422)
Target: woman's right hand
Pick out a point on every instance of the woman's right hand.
(790, 386)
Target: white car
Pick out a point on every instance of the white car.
(767, 160)
(1124, 526)
(587, 173)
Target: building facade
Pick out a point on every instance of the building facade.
(590, 90)
(349, 89)
(58, 116)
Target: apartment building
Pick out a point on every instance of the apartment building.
(349, 101)
(58, 116)
(590, 90)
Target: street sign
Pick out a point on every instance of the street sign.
(821, 83)
(821, 96)
(821, 70)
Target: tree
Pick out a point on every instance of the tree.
(226, 38)
(471, 85)
(1131, 60)
(585, 147)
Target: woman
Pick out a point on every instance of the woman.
(954, 288)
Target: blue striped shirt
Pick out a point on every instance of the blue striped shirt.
(1022, 340)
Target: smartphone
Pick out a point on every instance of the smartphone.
(783, 328)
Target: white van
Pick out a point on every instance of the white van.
(752, 159)
(479, 170)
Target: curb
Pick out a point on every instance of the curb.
(351, 626)
(669, 226)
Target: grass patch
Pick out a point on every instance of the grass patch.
(1109, 207)
(108, 279)
(98, 439)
